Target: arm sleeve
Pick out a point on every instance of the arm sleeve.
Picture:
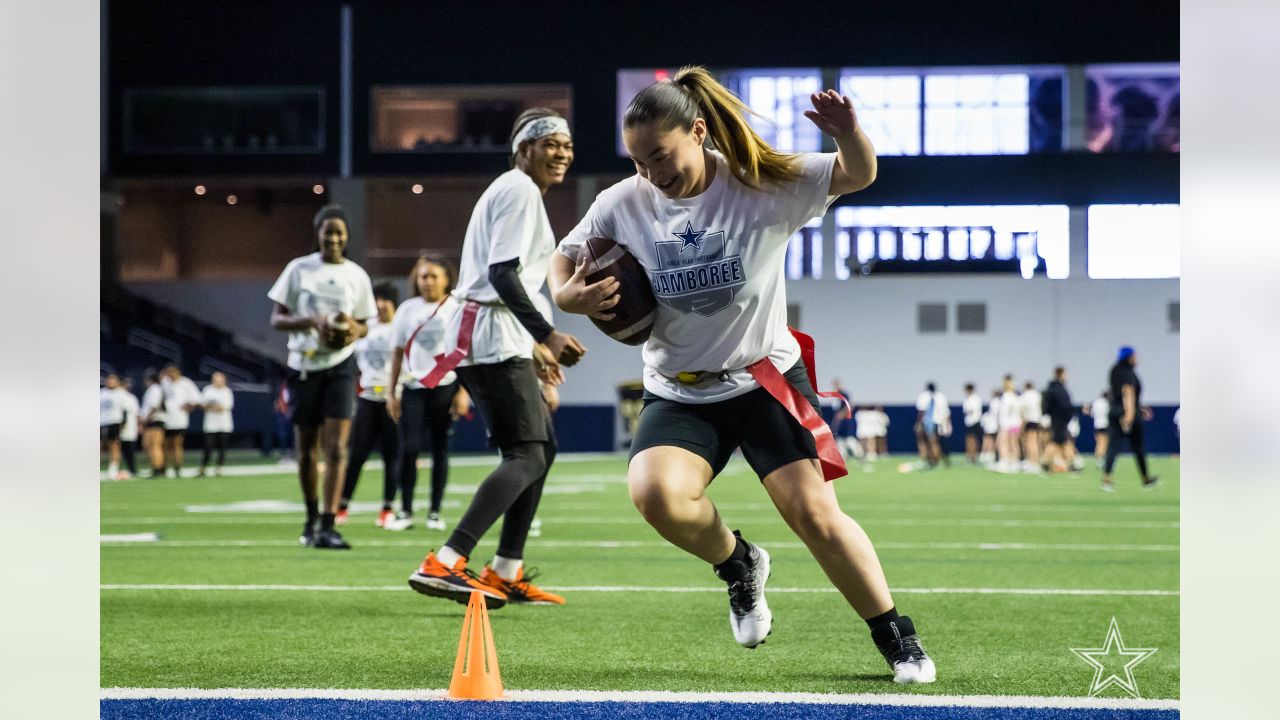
(505, 279)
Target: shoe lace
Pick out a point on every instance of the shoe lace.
(907, 649)
(525, 582)
(741, 598)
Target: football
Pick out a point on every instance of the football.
(336, 334)
(633, 315)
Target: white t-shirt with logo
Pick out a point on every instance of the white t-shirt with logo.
(128, 403)
(715, 263)
(109, 410)
(1031, 409)
(311, 286)
(508, 223)
(430, 340)
(177, 395)
(218, 421)
(153, 404)
(373, 357)
(972, 408)
(1099, 410)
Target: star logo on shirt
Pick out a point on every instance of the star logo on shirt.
(690, 238)
(1114, 655)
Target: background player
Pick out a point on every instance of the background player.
(218, 400)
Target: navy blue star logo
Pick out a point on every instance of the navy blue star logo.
(690, 237)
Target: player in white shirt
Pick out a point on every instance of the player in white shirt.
(865, 421)
(491, 343)
(711, 228)
(181, 397)
(110, 417)
(217, 400)
(933, 422)
(1099, 410)
(323, 301)
(882, 430)
(1031, 402)
(990, 430)
(128, 403)
(1010, 421)
(972, 410)
(423, 415)
(151, 414)
(373, 425)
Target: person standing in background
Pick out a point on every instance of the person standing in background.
(865, 421)
(1031, 403)
(1057, 406)
(990, 431)
(882, 430)
(128, 428)
(218, 401)
(972, 410)
(1100, 411)
(152, 413)
(181, 396)
(933, 420)
(842, 425)
(1126, 418)
(110, 416)
(1007, 439)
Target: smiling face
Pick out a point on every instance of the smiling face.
(546, 159)
(332, 239)
(673, 160)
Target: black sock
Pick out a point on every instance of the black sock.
(882, 618)
(326, 521)
(313, 511)
(738, 562)
(343, 505)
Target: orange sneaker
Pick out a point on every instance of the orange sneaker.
(455, 583)
(384, 517)
(341, 518)
(520, 591)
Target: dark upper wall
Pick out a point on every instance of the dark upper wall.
(411, 42)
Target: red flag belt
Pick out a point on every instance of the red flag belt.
(446, 362)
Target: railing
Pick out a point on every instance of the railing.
(209, 365)
(155, 345)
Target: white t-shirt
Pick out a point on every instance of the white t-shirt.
(128, 403)
(109, 410)
(715, 263)
(430, 341)
(509, 222)
(1010, 411)
(311, 286)
(177, 395)
(882, 423)
(866, 422)
(373, 357)
(153, 400)
(941, 411)
(1031, 410)
(991, 418)
(216, 421)
(972, 408)
(1099, 410)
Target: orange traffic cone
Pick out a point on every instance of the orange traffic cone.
(475, 672)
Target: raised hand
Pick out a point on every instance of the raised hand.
(832, 113)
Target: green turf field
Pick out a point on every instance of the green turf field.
(960, 529)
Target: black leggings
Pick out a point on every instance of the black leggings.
(212, 441)
(424, 418)
(372, 424)
(126, 451)
(1114, 434)
(513, 489)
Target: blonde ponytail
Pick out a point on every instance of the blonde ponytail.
(694, 93)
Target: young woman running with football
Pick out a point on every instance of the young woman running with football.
(720, 349)
(491, 341)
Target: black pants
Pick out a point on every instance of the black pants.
(214, 441)
(425, 420)
(126, 451)
(1114, 434)
(372, 424)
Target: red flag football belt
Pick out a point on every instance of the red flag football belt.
(446, 362)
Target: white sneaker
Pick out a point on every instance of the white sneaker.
(749, 615)
(400, 522)
(435, 522)
(900, 646)
(171, 473)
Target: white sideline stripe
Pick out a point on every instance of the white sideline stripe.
(637, 520)
(150, 541)
(649, 696)
(291, 468)
(650, 588)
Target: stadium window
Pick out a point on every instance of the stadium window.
(1133, 108)
(1027, 239)
(804, 252)
(888, 108)
(1134, 241)
(456, 118)
(931, 318)
(779, 97)
(224, 120)
(976, 114)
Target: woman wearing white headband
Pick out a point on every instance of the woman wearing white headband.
(504, 261)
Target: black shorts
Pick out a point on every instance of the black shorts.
(510, 401)
(174, 432)
(109, 433)
(755, 421)
(974, 431)
(1030, 427)
(1061, 434)
(323, 394)
(155, 425)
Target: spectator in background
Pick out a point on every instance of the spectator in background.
(990, 431)
(152, 415)
(128, 428)
(217, 401)
(1135, 117)
(1057, 406)
(1031, 403)
(882, 430)
(1010, 424)
(283, 427)
(181, 396)
(110, 417)
(972, 410)
(842, 425)
(933, 422)
(865, 421)
(1100, 411)
(1126, 418)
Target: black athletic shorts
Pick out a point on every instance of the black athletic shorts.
(155, 424)
(174, 432)
(974, 431)
(1061, 434)
(510, 401)
(323, 394)
(755, 421)
(1030, 427)
(110, 432)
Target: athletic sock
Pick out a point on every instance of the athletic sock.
(738, 562)
(313, 511)
(892, 630)
(343, 505)
(326, 521)
(507, 568)
(448, 556)
(882, 618)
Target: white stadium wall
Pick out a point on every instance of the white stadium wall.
(866, 332)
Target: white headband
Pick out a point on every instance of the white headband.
(542, 127)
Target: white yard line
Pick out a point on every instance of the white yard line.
(637, 520)
(648, 696)
(645, 588)
(150, 540)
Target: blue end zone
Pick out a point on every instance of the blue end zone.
(397, 710)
